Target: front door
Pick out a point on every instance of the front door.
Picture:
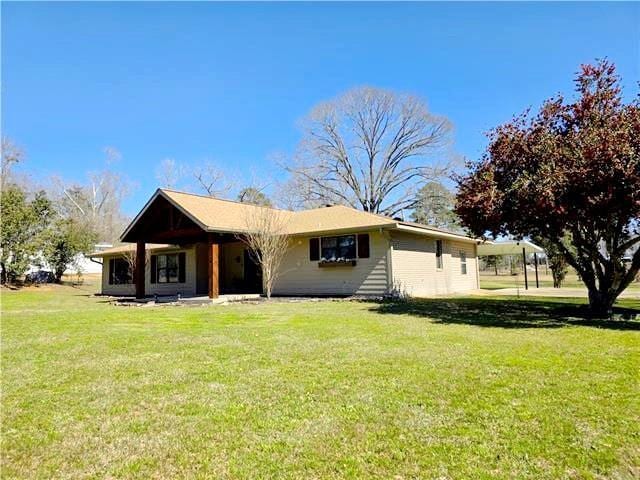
(202, 269)
(252, 274)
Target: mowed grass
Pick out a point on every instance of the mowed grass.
(451, 388)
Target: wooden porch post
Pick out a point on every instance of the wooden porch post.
(524, 264)
(139, 273)
(214, 266)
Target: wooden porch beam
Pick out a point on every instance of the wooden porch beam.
(177, 233)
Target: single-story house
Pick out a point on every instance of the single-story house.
(191, 245)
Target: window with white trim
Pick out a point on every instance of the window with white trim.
(439, 254)
(463, 263)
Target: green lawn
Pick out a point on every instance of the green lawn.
(456, 388)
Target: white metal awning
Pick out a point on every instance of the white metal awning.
(509, 247)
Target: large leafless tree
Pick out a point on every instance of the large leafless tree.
(371, 149)
(98, 201)
(169, 173)
(211, 179)
(11, 155)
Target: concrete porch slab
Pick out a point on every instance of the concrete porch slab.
(190, 300)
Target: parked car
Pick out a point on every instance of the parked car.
(41, 276)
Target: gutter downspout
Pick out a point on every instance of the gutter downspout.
(478, 267)
(101, 272)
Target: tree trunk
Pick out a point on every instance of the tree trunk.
(58, 275)
(601, 303)
(3, 273)
(266, 283)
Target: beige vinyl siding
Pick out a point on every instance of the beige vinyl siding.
(414, 266)
(301, 276)
(412, 263)
(460, 282)
(186, 288)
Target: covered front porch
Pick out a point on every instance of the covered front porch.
(212, 263)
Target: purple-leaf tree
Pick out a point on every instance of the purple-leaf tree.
(569, 174)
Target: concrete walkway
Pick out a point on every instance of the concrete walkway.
(549, 292)
(188, 300)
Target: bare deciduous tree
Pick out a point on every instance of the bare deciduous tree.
(267, 241)
(368, 149)
(254, 196)
(169, 173)
(130, 257)
(11, 155)
(296, 193)
(113, 155)
(98, 202)
(212, 180)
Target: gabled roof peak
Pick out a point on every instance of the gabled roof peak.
(209, 197)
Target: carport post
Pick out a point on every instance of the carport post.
(524, 264)
(535, 259)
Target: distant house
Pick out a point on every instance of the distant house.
(193, 249)
(81, 264)
(84, 264)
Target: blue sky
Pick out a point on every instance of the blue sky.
(230, 81)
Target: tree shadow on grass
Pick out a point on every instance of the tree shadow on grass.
(509, 313)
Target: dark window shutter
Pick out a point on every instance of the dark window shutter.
(154, 269)
(314, 249)
(112, 265)
(181, 264)
(363, 245)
